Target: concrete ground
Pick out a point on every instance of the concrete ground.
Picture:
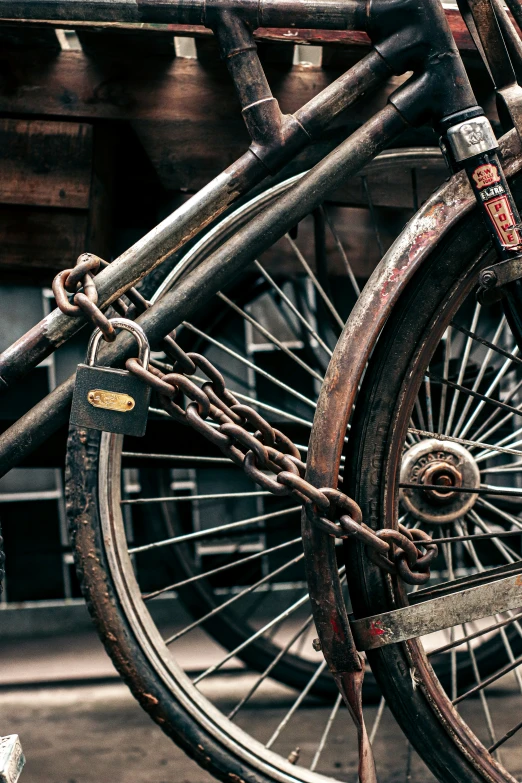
(79, 724)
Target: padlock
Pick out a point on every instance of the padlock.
(109, 399)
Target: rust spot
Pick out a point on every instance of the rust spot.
(376, 629)
(150, 698)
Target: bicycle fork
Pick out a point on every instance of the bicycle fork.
(470, 144)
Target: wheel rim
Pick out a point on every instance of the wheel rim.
(112, 527)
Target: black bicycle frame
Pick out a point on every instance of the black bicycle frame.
(406, 36)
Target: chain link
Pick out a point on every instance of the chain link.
(265, 454)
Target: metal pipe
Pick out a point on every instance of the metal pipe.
(204, 207)
(320, 14)
(215, 272)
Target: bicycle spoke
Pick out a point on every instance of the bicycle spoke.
(490, 680)
(506, 736)
(501, 373)
(462, 370)
(482, 431)
(487, 343)
(251, 365)
(513, 467)
(505, 641)
(263, 405)
(177, 458)
(342, 253)
(377, 721)
(429, 406)
(293, 308)
(445, 371)
(318, 287)
(275, 621)
(470, 637)
(246, 591)
(477, 537)
(220, 569)
(295, 706)
(448, 557)
(218, 530)
(506, 441)
(373, 216)
(269, 336)
(500, 512)
(476, 395)
(465, 442)
(480, 375)
(280, 655)
(508, 554)
(420, 416)
(326, 732)
(193, 498)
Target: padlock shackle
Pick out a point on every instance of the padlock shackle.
(129, 326)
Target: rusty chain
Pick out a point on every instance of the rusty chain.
(265, 454)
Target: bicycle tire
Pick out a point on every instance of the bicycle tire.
(143, 668)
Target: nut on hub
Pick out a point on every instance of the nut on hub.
(448, 465)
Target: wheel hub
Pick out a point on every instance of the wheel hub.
(447, 465)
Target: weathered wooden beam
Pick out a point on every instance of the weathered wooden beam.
(141, 43)
(40, 239)
(294, 35)
(27, 38)
(45, 163)
(186, 114)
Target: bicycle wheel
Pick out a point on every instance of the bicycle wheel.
(440, 405)
(288, 306)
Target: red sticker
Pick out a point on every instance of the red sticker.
(376, 628)
(503, 220)
(485, 175)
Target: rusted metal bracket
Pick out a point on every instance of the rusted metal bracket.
(447, 611)
(501, 274)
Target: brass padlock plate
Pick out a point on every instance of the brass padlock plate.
(111, 401)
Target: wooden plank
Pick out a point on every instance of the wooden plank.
(40, 241)
(45, 163)
(186, 115)
(16, 37)
(101, 217)
(296, 36)
(140, 43)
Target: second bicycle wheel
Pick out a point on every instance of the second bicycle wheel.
(169, 518)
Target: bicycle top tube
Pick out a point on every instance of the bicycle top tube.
(320, 14)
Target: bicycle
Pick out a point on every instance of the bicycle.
(438, 92)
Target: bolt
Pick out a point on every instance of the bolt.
(293, 757)
(316, 644)
(488, 278)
